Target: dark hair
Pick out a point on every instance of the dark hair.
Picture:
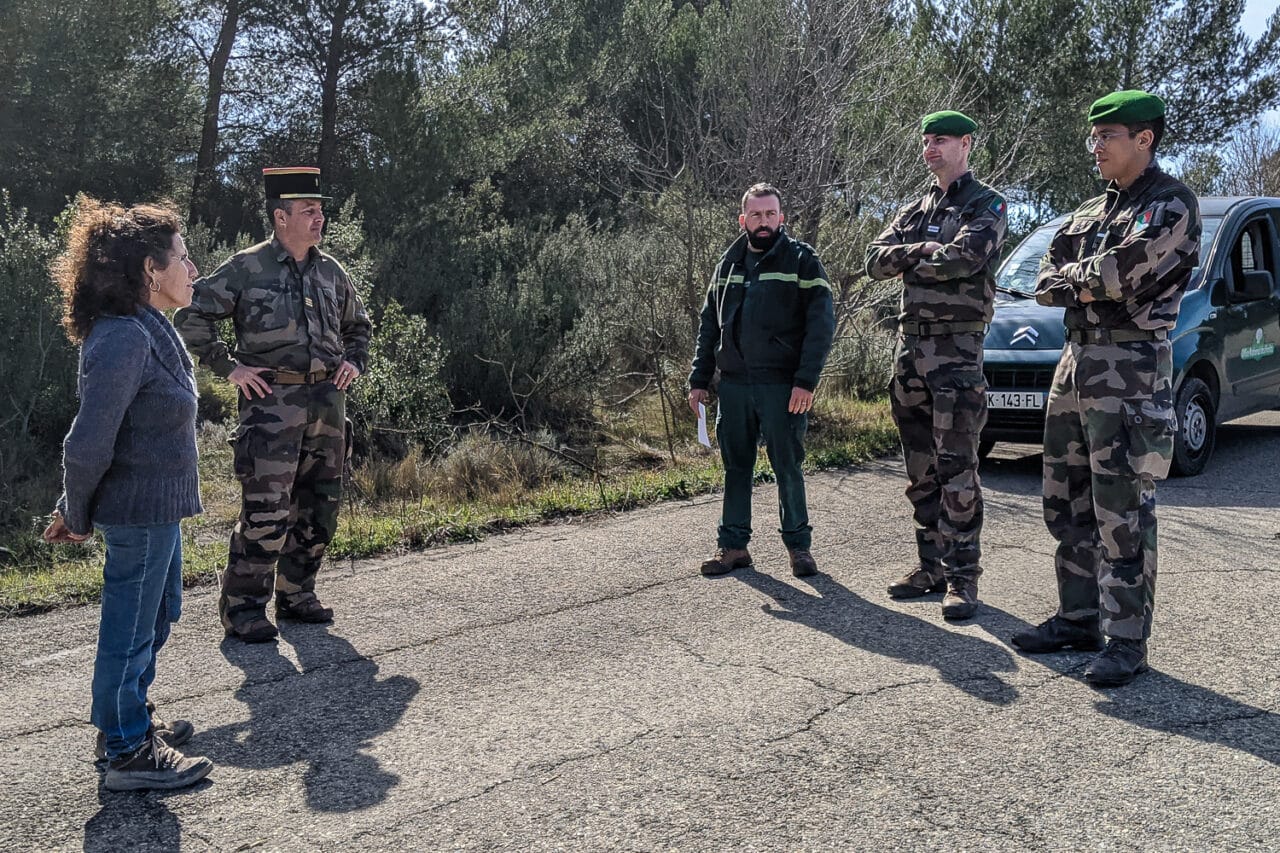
(274, 204)
(1156, 126)
(101, 271)
(759, 190)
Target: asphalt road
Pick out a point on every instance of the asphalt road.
(580, 686)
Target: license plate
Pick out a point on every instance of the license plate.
(1015, 399)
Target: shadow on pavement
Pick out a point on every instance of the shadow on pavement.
(963, 661)
(135, 820)
(1160, 702)
(325, 714)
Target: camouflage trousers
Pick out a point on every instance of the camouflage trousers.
(1108, 436)
(289, 455)
(939, 403)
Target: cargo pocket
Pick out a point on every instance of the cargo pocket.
(1149, 429)
(960, 405)
(242, 452)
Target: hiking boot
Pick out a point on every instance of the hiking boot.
(1056, 633)
(1120, 662)
(254, 629)
(173, 734)
(802, 563)
(726, 560)
(917, 582)
(155, 765)
(961, 600)
(306, 610)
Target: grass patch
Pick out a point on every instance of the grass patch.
(481, 487)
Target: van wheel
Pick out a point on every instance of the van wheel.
(984, 447)
(1197, 428)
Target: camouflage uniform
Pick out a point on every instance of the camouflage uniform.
(290, 446)
(938, 395)
(1110, 425)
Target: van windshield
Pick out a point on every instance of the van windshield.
(1018, 274)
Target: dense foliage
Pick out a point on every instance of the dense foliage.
(531, 192)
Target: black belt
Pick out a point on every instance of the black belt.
(912, 327)
(288, 377)
(1115, 336)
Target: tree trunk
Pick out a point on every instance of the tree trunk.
(212, 108)
(329, 91)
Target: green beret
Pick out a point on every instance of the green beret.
(948, 123)
(1130, 106)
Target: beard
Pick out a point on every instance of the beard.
(762, 239)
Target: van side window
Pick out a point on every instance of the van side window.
(1252, 252)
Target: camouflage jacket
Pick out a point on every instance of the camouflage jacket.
(774, 323)
(1132, 249)
(302, 318)
(957, 283)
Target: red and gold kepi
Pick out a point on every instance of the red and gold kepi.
(289, 182)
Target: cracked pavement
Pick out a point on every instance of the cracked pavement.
(580, 686)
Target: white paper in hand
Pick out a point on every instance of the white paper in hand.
(703, 438)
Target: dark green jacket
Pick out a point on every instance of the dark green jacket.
(774, 325)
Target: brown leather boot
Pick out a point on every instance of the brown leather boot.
(917, 582)
(802, 563)
(726, 560)
(961, 600)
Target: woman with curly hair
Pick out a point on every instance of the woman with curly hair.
(130, 469)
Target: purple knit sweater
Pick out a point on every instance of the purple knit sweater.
(130, 457)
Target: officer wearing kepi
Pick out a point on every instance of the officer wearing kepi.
(945, 247)
(1119, 267)
(302, 338)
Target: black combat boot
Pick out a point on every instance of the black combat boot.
(1055, 634)
(917, 582)
(961, 600)
(1120, 662)
(307, 609)
(248, 625)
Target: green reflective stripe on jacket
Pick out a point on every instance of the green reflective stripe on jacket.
(790, 276)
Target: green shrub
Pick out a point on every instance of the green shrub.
(401, 399)
(218, 398)
(39, 367)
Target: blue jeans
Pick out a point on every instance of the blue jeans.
(141, 597)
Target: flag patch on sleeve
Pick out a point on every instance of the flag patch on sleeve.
(998, 207)
(1152, 216)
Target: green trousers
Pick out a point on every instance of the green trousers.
(745, 413)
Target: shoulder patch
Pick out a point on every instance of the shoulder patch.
(1152, 217)
(997, 206)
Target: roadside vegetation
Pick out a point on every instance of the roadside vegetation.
(486, 483)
